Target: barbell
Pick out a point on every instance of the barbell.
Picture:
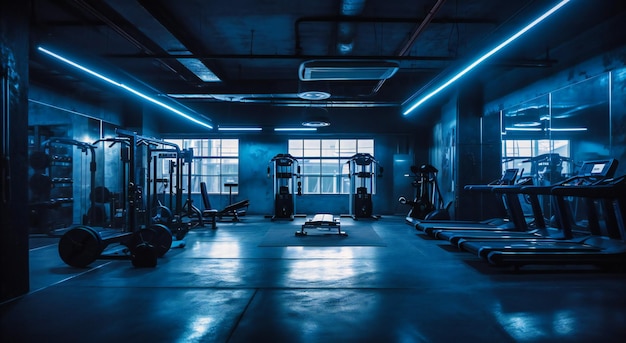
(82, 245)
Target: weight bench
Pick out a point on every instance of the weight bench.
(236, 209)
(322, 222)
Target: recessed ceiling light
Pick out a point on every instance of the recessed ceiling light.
(315, 123)
(314, 95)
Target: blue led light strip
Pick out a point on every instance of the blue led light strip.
(123, 86)
(485, 56)
(240, 129)
(295, 129)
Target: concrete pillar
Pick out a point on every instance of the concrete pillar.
(14, 148)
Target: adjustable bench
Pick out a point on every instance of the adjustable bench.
(235, 209)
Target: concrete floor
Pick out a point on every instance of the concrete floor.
(224, 287)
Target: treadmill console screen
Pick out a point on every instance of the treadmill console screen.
(509, 176)
(600, 168)
(597, 168)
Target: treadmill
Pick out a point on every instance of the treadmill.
(597, 248)
(539, 231)
(508, 178)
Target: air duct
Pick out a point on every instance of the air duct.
(338, 70)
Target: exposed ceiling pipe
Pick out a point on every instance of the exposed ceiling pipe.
(420, 28)
(399, 20)
(346, 30)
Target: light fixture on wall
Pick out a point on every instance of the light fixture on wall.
(567, 129)
(527, 124)
(531, 129)
(481, 59)
(124, 87)
(553, 129)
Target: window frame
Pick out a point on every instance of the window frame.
(215, 162)
(324, 170)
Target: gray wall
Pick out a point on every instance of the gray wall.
(256, 150)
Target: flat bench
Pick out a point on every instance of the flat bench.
(322, 221)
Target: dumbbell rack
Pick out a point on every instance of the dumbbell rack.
(51, 188)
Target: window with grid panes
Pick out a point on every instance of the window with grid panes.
(215, 162)
(323, 162)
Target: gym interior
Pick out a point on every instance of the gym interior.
(337, 171)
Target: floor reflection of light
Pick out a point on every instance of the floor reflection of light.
(327, 264)
(529, 326)
(220, 260)
(197, 329)
(321, 315)
(522, 326)
(321, 252)
(564, 322)
(227, 249)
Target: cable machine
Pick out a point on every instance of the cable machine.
(428, 202)
(286, 173)
(362, 167)
(178, 217)
(82, 245)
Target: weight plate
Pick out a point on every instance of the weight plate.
(39, 160)
(161, 215)
(157, 235)
(80, 246)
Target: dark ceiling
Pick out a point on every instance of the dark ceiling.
(256, 48)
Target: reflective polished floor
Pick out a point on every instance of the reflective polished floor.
(225, 285)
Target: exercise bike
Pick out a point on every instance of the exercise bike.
(428, 203)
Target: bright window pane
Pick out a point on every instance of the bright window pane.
(365, 146)
(208, 165)
(323, 162)
(348, 147)
(330, 148)
(296, 147)
(311, 148)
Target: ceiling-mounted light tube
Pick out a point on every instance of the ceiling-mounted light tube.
(535, 129)
(485, 56)
(295, 129)
(239, 128)
(123, 86)
(567, 129)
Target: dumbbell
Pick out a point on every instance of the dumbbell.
(82, 245)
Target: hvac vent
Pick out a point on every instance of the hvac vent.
(318, 70)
